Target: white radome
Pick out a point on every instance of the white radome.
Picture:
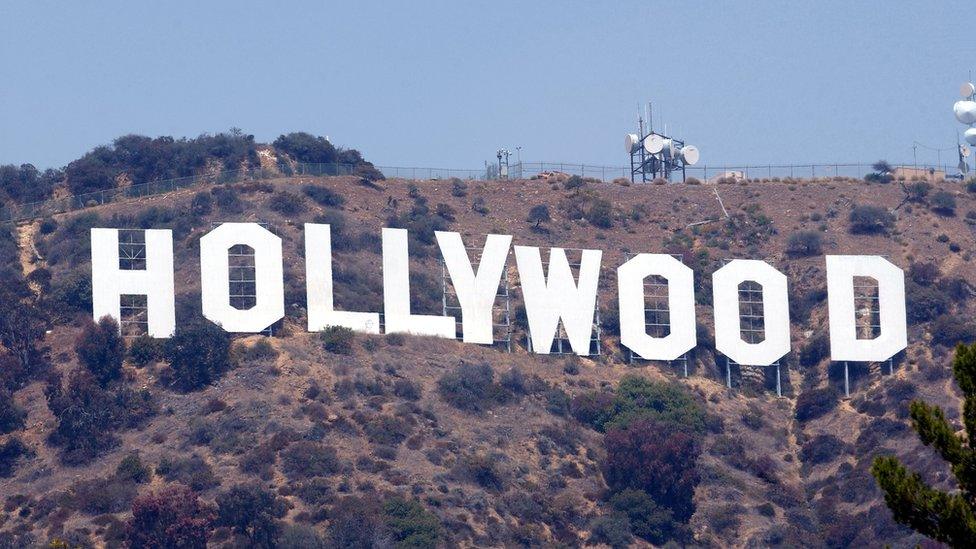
(965, 111)
(690, 154)
(970, 136)
(631, 143)
(653, 143)
(967, 90)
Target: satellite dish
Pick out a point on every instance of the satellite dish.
(689, 154)
(967, 90)
(970, 136)
(669, 149)
(654, 143)
(631, 143)
(965, 112)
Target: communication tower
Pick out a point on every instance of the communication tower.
(654, 154)
(965, 111)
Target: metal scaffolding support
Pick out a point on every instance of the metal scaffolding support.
(241, 272)
(560, 344)
(657, 316)
(133, 309)
(867, 322)
(752, 327)
(501, 311)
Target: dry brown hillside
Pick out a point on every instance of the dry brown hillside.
(789, 471)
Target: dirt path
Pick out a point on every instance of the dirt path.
(29, 258)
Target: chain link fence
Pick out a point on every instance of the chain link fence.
(520, 170)
(524, 170)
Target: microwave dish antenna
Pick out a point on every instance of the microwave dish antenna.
(967, 90)
(632, 143)
(965, 111)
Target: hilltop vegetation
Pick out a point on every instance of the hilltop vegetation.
(342, 439)
(134, 159)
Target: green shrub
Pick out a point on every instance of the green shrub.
(472, 387)
(646, 519)
(814, 403)
(227, 200)
(458, 188)
(306, 459)
(410, 525)
(944, 203)
(338, 340)
(539, 214)
(816, 349)
(174, 517)
(804, 244)
(132, 468)
(612, 530)
(192, 471)
(917, 191)
(950, 330)
(324, 196)
(11, 452)
(101, 349)
(287, 203)
(202, 204)
(600, 214)
(260, 350)
(11, 415)
(480, 469)
(252, 512)
(198, 354)
(665, 470)
(870, 220)
(87, 414)
(145, 350)
(300, 536)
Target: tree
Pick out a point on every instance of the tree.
(101, 349)
(657, 458)
(198, 354)
(171, 519)
(948, 517)
(882, 172)
(253, 512)
(87, 416)
(539, 214)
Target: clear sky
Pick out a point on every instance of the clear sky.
(446, 83)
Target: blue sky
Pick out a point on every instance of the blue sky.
(445, 84)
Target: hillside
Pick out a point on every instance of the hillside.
(337, 427)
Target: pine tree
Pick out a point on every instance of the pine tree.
(949, 517)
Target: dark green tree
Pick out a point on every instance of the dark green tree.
(948, 517)
(101, 349)
(198, 354)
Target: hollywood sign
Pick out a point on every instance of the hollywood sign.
(551, 295)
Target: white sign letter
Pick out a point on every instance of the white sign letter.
(558, 297)
(681, 306)
(318, 286)
(476, 292)
(844, 344)
(776, 312)
(268, 277)
(396, 292)
(109, 282)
